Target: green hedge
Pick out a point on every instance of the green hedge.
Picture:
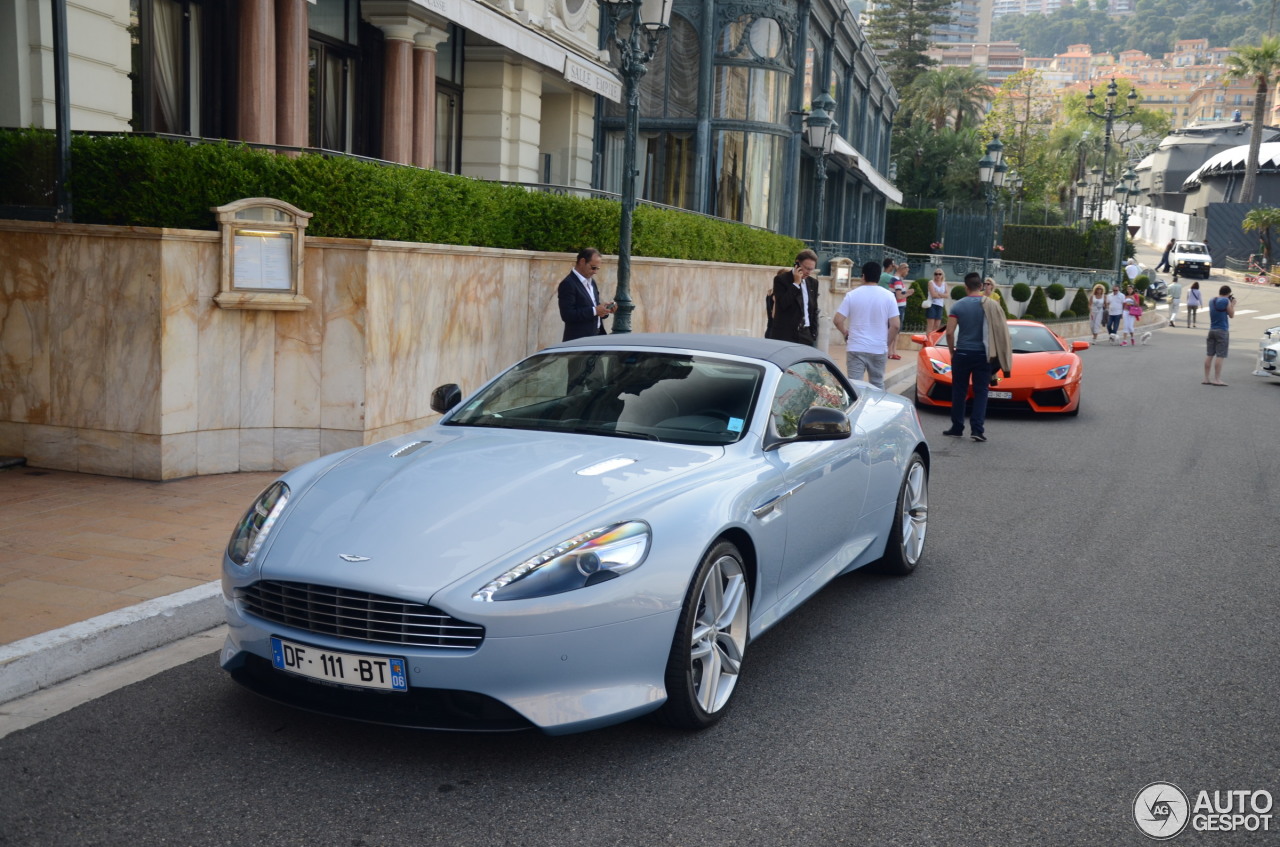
(1038, 308)
(911, 230)
(137, 181)
(1080, 303)
(1057, 245)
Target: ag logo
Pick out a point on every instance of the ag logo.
(1161, 811)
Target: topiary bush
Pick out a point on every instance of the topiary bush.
(1141, 283)
(1038, 308)
(1020, 292)
(959, 292)
(1056, 291)
(915, 305)
(1080, 303)
(1067, 314)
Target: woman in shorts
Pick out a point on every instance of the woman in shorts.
(937, 297)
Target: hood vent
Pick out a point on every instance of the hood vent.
(411, 447)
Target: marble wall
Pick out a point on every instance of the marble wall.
(115, 359)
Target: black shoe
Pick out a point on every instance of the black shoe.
(979, 437)
(954, 433)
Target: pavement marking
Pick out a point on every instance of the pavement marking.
(47, 702)
(1267, 317)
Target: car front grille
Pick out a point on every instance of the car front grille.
(1050, 397)
(345, 613)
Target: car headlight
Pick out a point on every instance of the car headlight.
(586, 559)
(940, 367)
(1059, 372)
(1268, 355)
(256, 524)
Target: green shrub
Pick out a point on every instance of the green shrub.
(1067, 314)
(915, 308)
(1020, 292)
(911, 230)
(1056, 291)
(1080, 303)
(137, 181)
(1141, 283)
(958, 292)
(1038, 308)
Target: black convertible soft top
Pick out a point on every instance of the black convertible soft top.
(784, 354)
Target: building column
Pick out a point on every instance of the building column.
(424, 95)
(291, 73)
(397, 92)
(256, 88)
(501, 121)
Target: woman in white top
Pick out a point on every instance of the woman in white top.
(937, 299)
(1194, 301)
(1097, 309)
(1131, 299)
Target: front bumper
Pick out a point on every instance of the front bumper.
(560, 683)
(1051, 399)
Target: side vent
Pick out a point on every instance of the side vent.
(411, 447)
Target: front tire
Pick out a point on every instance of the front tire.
(711, 637)
(910, 521)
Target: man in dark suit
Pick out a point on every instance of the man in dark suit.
(581, 309)
(795, 302)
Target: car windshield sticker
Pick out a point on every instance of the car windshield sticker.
(735, 424)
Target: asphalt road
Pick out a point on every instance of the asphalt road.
(1097, 611)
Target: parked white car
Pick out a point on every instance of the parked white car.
(1269, 354)
(1191, 258)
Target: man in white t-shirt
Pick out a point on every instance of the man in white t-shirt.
(1115, 308)
(868, 320)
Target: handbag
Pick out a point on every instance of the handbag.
(1136, 311)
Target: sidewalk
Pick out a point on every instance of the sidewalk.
(94, 569)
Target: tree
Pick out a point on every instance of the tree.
(1262, 220)
(900, 31)
(1260, 63)
(951, 94)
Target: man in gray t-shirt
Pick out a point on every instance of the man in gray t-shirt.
(970, 360)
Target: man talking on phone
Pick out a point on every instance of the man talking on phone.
(794, 310)
(580, 307)
(1221, 309)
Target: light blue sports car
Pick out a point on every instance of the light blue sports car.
(596, 534)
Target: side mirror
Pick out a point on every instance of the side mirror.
(919, 339)
(1077, 346)
(819, 423)
(445, 397)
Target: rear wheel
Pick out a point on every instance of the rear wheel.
(711, 637)
(910, 521)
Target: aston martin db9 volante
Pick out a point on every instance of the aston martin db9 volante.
(596, 534)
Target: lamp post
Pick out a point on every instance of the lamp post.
(991, 171)
(646, 21)
(1109, 115)
(1126, 188)
(822, 136)
(1015, 194)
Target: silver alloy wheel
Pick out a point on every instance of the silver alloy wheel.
(719, 634)
(914, 510)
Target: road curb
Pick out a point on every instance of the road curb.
(52, 657)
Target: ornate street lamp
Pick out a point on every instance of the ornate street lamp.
(991, 172)
(645, 21)
(1126, 190)
(822, 138)
(1109, 115)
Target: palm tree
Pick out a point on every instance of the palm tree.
(1263, 220)
(1260, 63)
(946, 94)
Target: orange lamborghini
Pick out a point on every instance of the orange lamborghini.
(1046, 371)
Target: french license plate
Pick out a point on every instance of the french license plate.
(1000, 395)
(382, 672)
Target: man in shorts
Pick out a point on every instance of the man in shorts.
(1221, 309)
(868, 320)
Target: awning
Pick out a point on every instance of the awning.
(485, 21)
(859, 163)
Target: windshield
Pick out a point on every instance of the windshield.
(1190, 247)
(680, 398)
(1033, 339)
(1024, 339)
